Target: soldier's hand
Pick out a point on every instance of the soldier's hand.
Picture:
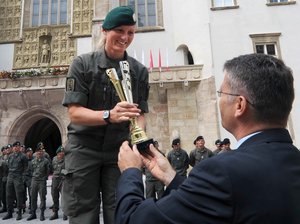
(124, 111)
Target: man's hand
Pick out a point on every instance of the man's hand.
(129, 158)
(159, 166)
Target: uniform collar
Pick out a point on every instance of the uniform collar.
(103, 60)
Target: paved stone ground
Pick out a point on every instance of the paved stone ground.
(48, 213)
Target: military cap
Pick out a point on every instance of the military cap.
(9, 146)
(3, 148)
(17, 143)
(59, 149)
(122, 15)
(197, 139)
(218, 141)
(226, 141)
(176, 141)
(28, 149)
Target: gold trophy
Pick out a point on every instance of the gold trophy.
(137, 135)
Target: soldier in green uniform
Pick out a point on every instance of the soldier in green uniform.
(99, 121)
(17, 164)
(41, 146)
(200, 152)
(178, 158)
(58, 164)
(41, 170)
(27, 178)
(3, 180)
(2, 168)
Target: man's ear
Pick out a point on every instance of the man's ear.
(241, 106)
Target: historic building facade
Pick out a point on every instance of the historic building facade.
(187, 43)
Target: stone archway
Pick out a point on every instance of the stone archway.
(46, 131)
(35, 125)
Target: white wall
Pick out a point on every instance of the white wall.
(184, 23)
(84, 45)
(230, 37)
(6, 57)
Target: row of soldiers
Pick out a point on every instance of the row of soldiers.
(180, 160)
(23, 171)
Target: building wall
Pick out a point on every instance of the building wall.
(230, 30)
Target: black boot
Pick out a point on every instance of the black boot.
(32, 216)
(65, 217)
(8, 215)
(42, 216)
(54, 216)
(19, 213)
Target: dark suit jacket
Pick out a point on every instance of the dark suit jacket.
(259, 183)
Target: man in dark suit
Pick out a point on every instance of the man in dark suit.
(257, 183)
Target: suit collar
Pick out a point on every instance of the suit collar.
(268, 136)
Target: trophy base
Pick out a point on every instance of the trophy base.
(143, 147)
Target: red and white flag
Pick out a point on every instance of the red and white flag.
(151, 62)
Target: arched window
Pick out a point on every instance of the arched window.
(184, 55)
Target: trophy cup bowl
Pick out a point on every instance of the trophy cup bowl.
(138, 136)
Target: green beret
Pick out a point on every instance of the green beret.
(123, 15)
(60, 149)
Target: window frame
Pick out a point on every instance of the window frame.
(265, 39)
(288, 2)
(224, 7)
(159, 16)
(49, 13)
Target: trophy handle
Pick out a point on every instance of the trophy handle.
(126, 81)
(113, 76)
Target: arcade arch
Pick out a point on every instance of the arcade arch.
(36, 125)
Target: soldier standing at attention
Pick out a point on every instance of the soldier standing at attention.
(41, 169)
(178, 158)
(4, 158)
(58, 164)
(41, 146)
(2, 167)
(27, 178)
(200, 152)
(17, 164)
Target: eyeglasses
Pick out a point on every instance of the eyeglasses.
(230, 94)
(233, 94)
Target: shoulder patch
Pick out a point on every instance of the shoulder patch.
(70, 84)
